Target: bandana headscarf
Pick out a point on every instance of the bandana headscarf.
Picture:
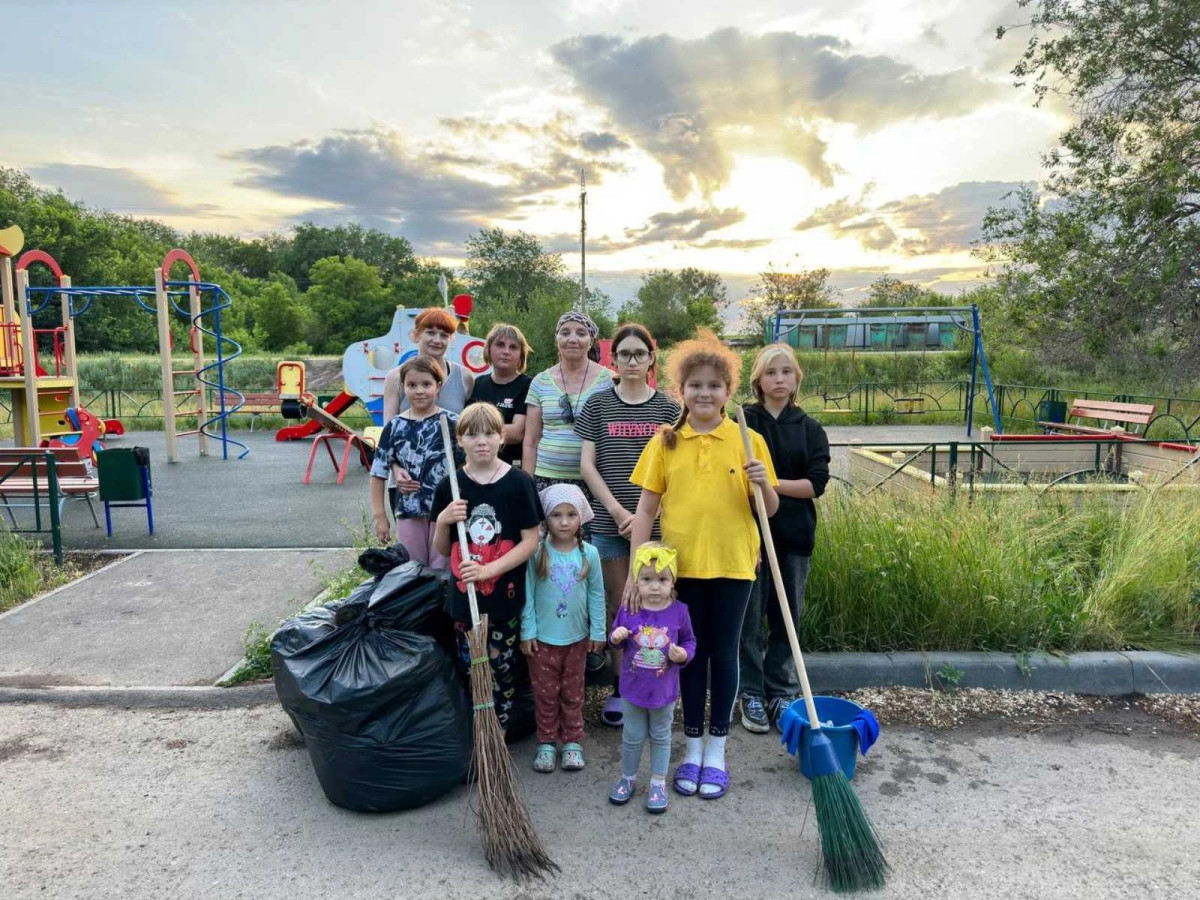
(586, 321)
(658, 558)
(557, 494)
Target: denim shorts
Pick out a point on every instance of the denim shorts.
(610, 546)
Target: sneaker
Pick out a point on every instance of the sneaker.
(754, 715)
(775, 708)
(621, 791)
(656, 801)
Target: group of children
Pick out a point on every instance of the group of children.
(684, 601)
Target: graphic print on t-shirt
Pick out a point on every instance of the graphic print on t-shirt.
(651, 641)
(485, 544)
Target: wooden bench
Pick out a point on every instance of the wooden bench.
(1132, 417)
(24, 472)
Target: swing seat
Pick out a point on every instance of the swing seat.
(910, 404)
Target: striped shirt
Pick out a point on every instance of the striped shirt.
(620, 432)
(559, 449)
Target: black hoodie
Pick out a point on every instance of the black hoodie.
(799, 449)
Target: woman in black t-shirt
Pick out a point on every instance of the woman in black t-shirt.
(507, 352)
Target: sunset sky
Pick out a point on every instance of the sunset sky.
(866, 136)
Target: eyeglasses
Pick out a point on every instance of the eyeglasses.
(633, 356)
(564, 407)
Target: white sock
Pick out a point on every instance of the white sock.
(693, 752)
(714, 757)
(658, 780)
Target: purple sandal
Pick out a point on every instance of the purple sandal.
(711, 775)
(612, 713)
(686, 772)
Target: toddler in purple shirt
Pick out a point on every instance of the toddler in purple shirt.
(657, 640)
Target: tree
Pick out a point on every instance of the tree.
(347, 301)
(1106, 263)
(391, 256)
(887, 290)
(777, 291)
(674, 304)
(509, 264)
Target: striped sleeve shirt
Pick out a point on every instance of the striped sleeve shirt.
(559, 449)
(620, 432)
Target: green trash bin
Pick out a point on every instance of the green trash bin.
(1052, 411)
(124, 475)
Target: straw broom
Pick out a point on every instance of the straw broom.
(510, 842)
(851, 854)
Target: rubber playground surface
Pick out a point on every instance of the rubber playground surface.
(259, 501)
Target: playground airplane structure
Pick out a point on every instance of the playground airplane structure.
(45, 399)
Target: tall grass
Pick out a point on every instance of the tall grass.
(1011, 573)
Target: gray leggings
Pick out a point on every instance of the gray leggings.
(640, 722)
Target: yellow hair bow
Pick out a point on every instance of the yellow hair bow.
(658, 557)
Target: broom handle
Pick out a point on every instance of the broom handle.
(760, 506)
(462, 528)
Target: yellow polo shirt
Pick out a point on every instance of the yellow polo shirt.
(707, 513)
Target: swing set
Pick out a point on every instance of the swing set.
(43, 396)
(887, 329)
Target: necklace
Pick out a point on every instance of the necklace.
(569, 410)
(500, 464)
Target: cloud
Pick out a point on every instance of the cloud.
(601, 142)
(433, 195)
(117, 190)
(684, 225)
(945, 221)
(688, 102)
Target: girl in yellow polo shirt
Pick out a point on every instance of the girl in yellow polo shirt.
(696, 474)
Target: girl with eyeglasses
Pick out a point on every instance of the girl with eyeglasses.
(551, 449)
(615, 426)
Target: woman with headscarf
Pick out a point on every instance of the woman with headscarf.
(551, 448)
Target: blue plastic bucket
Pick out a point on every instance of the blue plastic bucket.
(836, 715)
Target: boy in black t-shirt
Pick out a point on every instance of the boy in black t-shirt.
(499, 505)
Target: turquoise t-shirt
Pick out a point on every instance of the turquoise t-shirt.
(562, 608)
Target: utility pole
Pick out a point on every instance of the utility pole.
(582, 243)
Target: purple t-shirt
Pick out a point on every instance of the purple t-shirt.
(648, 678)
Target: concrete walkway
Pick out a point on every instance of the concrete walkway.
(147, 804)
(158, 618)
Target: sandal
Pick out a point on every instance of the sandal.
(613, 713)
(622, 791)
(712, 776)
(572, 757)
(543, 760)
(686, 772)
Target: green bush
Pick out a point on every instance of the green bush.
(1011, 573)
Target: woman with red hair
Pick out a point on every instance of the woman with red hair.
(432, 331)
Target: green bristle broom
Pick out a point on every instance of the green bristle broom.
(851, 854)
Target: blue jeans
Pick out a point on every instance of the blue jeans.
(771, 672)
(610, 546)
(640, 723)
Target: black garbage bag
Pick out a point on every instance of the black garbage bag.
(371, 684)
(381, 560)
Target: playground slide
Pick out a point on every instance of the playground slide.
(334, 407)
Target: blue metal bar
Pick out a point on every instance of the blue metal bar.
(987, 375)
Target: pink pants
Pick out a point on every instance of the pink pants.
(557, 676)
(417, 537)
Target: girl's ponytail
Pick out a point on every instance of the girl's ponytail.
(541, 559)
(583, 569)
(668, 432)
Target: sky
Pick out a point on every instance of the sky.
(863, 136)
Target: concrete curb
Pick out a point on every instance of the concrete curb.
(1098, 673)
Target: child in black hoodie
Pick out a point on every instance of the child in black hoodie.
(800, 451)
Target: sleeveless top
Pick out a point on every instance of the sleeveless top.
(453, 395)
